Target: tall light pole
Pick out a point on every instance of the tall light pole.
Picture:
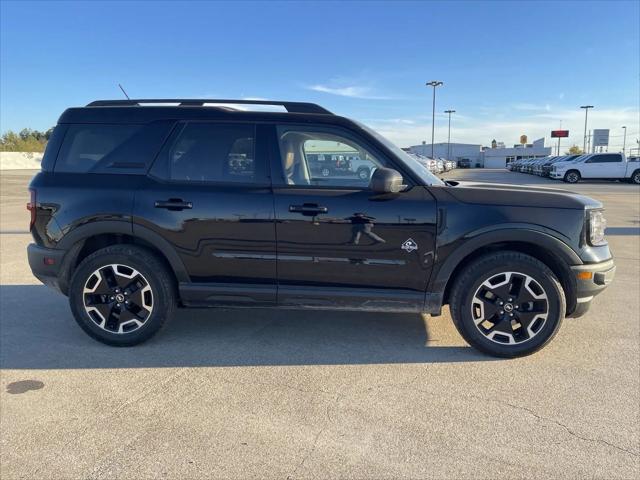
(624, 141)
(586, 112)
(449, 134)
(434, 84)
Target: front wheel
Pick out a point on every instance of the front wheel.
(507, 304)
(325, 172)
(635, 177)
(572, 176)
(122, 295)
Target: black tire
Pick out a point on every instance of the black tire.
(464, 298)
(572, 176)
(325, 172)
(363, 173)
(635, 177)
(158, 306)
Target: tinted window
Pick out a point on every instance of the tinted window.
(206, 152)
(606, 158)
(325, 159)
(85, 145)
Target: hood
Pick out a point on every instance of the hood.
(518, 195)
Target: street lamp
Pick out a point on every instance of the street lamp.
(586, 111)
(434, 84)
(624, 141)
(449, 134)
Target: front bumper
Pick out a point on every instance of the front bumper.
(591, 279)
(553, 174)
(45, 264)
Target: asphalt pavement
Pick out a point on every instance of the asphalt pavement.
(225, 393)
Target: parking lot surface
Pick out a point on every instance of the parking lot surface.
(283, 394)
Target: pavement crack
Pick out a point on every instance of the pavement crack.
(317, 436)
(561, 425)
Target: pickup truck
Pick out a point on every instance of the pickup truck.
(613, 166)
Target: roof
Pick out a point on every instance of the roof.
(148, 110)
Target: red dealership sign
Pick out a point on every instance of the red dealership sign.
(559, 133)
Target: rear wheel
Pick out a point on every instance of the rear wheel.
(122, 295)
(507, 304)
(572, 176)
(635, 177)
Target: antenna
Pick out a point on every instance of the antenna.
(125, 93)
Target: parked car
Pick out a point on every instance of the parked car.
(464, 163)
(547, 166)
(139, 210)
(538, 164)
(612, 166)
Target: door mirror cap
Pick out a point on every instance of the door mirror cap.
(386, 180)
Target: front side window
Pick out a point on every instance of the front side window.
(322, 158)
(205, 152)
(606, 158)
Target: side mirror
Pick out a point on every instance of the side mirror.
(386, 180)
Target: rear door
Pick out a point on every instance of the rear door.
(339, 244)
(209, 195)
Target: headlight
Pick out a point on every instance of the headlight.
(597, 226)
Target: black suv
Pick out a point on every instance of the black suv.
(143, 206)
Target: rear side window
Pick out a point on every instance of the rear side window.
(85, 145)
(206, 152)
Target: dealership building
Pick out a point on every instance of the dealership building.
(496, 156)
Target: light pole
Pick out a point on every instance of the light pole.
(624, 141)
(449, 134)
(586, 112)
(434, 84)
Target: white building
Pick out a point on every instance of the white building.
(496, 156)
(500, 157)
(459, 151)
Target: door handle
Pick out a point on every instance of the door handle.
(173, 204)
(308, 209)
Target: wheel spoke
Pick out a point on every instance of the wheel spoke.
(118, 298)
(509, 307)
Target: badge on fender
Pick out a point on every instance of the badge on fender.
(409, 245)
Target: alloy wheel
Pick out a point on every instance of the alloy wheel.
(118, 298)
(572, 177)
(510, 308)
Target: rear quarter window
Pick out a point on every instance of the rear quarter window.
(85, 145)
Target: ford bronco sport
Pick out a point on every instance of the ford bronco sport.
(143, 206)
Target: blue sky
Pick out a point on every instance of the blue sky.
(508, 67)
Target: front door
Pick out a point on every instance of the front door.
(209, 197)
(339, 244)
(605, 165)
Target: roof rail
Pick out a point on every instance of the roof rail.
(291, 107)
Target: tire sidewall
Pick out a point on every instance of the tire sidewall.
(363, 173)
(556, 313)
(568, 176)
(635, 177)
(152, 271)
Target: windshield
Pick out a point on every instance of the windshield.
(411, 163)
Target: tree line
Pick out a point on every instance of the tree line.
(27, 140)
